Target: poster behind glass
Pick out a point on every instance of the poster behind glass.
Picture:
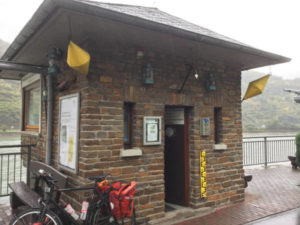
(68, 132)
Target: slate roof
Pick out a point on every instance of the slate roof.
(145, 17)
(157, 16)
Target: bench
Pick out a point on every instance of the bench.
(247, 178)
(23, 195)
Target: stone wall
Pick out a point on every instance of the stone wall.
(115, 78)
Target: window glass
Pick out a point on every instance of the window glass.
(126, 123)
(128, 108)
(33, 107)
(218, 124)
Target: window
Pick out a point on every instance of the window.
(218, 124)
(32, 103)
(128, 125)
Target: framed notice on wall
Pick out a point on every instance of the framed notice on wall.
(68, 132)
(152, 130)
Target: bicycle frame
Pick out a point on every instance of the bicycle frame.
(91, 210)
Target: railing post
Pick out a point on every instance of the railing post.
(28, 164)
(266, 151)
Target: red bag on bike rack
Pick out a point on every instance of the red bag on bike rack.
(104, 188)
(121, 201)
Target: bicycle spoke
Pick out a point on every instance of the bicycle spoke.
(31, 219)
(22, 220)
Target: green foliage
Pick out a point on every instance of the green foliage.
(10, 103)
(4, 128)
(274, 109)
(10, 99)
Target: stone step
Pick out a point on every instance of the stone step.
(182, 214)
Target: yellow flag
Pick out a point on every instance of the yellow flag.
(78, 59)
(256, 87)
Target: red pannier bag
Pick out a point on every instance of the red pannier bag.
(121, 201)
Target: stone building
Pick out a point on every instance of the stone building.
(147, 68)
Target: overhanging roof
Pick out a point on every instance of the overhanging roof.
(48, 19)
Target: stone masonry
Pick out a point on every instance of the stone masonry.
(115, 77)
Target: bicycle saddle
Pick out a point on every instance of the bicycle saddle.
(97, 178)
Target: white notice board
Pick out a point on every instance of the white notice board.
(152, 130)
(68, 132)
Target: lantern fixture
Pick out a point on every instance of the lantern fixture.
(210, 82)
(148, 74)
(54, 57)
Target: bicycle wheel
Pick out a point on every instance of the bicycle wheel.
(32, 216)
(102, 216)
(130, 220)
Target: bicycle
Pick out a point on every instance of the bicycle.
(98, 212)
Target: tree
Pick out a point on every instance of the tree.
(4, 128)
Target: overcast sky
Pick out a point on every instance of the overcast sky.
(271, 25)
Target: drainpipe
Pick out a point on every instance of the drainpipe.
(53, 57)
(49, 117)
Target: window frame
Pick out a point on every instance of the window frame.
(218, 125)
(36, 83)
(129, 106)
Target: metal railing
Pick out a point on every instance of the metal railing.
(264, 150)
(12, 166)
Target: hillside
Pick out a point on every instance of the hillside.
(10, 103)
(274, 109)
(10, 99)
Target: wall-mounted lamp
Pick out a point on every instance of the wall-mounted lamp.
(54, 57)
(191, 69)
(148, 74)
(210, 82)
(196, 75)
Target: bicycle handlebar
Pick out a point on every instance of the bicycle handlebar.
(47, 177)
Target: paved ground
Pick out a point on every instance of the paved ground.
(270, 192)
(291, 217)
(5, 212)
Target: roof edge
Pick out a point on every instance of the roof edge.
(47, 6)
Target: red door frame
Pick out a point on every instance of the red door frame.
(186, 158)
(186, 155)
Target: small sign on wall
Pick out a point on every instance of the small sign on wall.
(152, 130)
(204, 126)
